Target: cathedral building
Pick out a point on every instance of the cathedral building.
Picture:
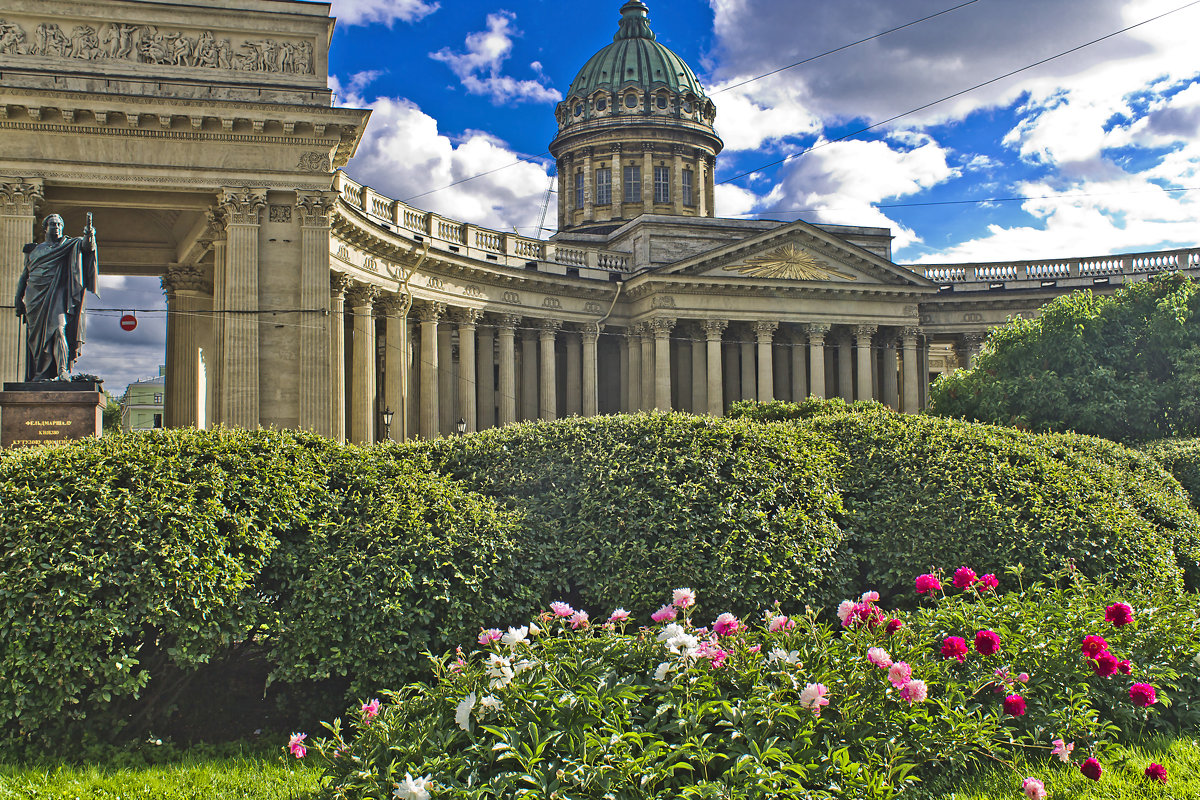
(202, 135)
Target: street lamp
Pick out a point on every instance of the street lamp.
(387, 422)
(462, 426)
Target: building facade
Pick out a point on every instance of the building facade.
(203, 138)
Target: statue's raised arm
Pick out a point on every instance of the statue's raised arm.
(51, 296)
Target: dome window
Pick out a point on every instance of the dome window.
(661, 101)
(579, 109)
(601, 104)
(687, 106)
(631, 101)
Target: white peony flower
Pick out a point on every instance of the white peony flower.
(462, 713)
(515, 636)
(663, 670)
(412, 788)
(1196, 660)
(500, 671)
(669, 631)
(490, 703)
(684, 645)
(779, 654)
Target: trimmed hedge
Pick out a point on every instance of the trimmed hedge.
(1181, 458)
(924, 492)
(623, 506)
(128, 562)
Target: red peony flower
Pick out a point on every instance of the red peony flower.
(1142, 694)
(1119, 614)
(1157, 772)
(928, 583)
(954, 647)
(987, 642)
(1105, 664)
(1014, 705)
(893, 626)
(867, 614)
(988, 583)
(1092, 645)
(1124, 667)
(964, 578)
(1091, 769)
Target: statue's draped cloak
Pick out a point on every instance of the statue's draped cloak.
(53, 288)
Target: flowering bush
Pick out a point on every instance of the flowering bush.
(711, 705)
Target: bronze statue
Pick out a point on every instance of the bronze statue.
(50, 296)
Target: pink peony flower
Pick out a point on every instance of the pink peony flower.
(893, 626)
(1119, 614)
(489, 635)
(1157, 772)
(1091, 769)
(865, 614)
(1092, 645)
(914, 692)
(756, 648)
(1062, 750)
(987, 643)
(845, 609)
(813, 697)
(561, 609)
(954, 647)
(780, 623)
(869, 597)
(928, 583)
(1105, 664)
(370, 710)
(713, 652)
(879, 657)
(683, 598)
(964, 578)
(620, 615)
(1023, 677)
(988, 583)
(899, 674)
(579, 620)
(664, 614)
(1014, 705)
(1034, 789)
(296, 746)
(1124, 667)
(1142, 694)
(726, 624)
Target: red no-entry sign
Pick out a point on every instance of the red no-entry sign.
(128, 322)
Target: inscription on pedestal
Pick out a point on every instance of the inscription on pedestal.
(31, 418)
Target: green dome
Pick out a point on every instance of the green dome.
(635, 58)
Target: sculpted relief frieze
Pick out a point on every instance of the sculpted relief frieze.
(146, 44)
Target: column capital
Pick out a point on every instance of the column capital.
(315, 207)
(713, 328)
(242, 206)
(548, 327)
(392, 304)
(817, 332)
(661, 327)
(508, 322)
(764, 328)
(468, 317)
(910, 333)
(20, 197)
(974, 339)
(430, 312)
(339, 282)
(639, 329)
(865, 331)
(362, 295)
(186, 278)
(590, 330)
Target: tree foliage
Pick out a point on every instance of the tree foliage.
(1125, 366)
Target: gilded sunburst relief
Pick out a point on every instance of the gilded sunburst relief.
(789, 263)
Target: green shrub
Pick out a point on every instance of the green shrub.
(1181, 458)
(619, 506)
(132, 567)
(673, 711)
(920, 491)
(1125, 366)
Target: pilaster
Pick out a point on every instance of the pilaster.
(19, 201)
(242, 210)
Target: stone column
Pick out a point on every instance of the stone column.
(634, 338)
(845, 357)
(910, 402)
(395, 363)
(618, 183)
(19, 200)
(799, 369)
(972, 344)
(681, 382)
(485, 377)
(187, 291)
(661, 329)
(529, 374)
(589, 184)
(648, 367)
(890, 391)
(412, 363)
(764, 332)
(506, 326)
(647, 177)
(714, 397)
(338, 284)
(816, 359)
(748, 373)
(363, 400)
(866, 361)
(467, 319)
(429, 314)
(548, 389)
(574, 373)
(677, 179)
(732, 373)
(590, 400)
(315, 410)
(699, 372)
(239, 382)
(447, 407)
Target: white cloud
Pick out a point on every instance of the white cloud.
(404, 154)
(756, 115)
(365, 12)
(480, 67)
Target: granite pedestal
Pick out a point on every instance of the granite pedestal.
(47, 412)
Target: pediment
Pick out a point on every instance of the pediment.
(797, 253)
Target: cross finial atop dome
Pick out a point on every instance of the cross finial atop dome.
(635, 23)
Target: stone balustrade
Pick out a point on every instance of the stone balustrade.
(1067, 273)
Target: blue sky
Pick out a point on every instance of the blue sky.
(460, 88)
